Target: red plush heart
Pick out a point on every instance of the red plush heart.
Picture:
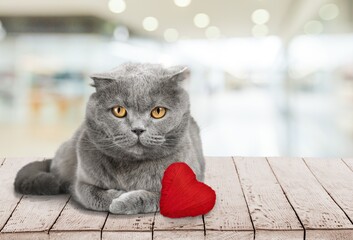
(182, 195)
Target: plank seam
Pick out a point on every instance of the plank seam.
(280, 230)
(3, 161)
(182, 230)
(14, 209)
(11, 213)
(303, 159)
(152, 225)
(56, 219)
(330, 229)
(346, 164)
(105, 221)
(110, 231)
(279, 183)
(242, 190)
(204, 225)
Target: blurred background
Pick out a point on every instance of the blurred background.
(269, 77)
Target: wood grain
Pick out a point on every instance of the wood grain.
(75, 218)
(36, 213)
(138, 222)
(188, 223)
(305, 182)
(337, 179)
(349, 162)
(9, 199)
(329, 235)
(229, 235)
(25, 236)
(314, 206)
(274, 235)
(127, 235)
(77, 235)
(128, 227)
(230, 211)
(178, 235)
(269, 208)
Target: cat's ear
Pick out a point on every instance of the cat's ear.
(101, 80)
(178, 73)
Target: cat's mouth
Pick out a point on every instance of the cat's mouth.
(151, 140)
(139, 145)
(137, 148)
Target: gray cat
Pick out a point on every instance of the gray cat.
(137, 123)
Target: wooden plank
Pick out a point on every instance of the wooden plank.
(138, 222)
(178, 235)
(162, 223)
(127, 235)
(24, 236)
(273, 235)
(137, 226)
(230, 212)
(329, 235)
(74, 218)
(33, 213)
(9, 199)
(315, 208)
(349, 162)
(337, 179)
(178, 228)
(269, 208)
(36, 213)
(77, 235)
(229, 235)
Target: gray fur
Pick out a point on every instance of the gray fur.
(107, 167)
(35, 178)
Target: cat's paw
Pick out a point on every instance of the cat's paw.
(123, 205)
(134, 202)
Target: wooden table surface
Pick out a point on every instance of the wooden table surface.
(257, 198)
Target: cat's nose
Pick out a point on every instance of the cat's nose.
(138, 131)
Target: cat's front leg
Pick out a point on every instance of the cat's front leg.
(93, 197)
(137, 201)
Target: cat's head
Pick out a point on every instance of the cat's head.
(139, 110)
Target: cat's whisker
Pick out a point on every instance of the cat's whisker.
(154, 143)
(156, 137)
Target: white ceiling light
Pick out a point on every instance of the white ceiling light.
(313, 27)
(117, 6)
(329, 11)
(171, 35)
(213, 32)
(201, 20)
(259, 30)
(150, 24)
(260, 16)
(182, 3)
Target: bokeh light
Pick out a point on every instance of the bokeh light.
(201, 20)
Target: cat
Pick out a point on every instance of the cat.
(137, 123)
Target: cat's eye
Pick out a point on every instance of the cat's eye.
(158, 112)
(119, 111)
